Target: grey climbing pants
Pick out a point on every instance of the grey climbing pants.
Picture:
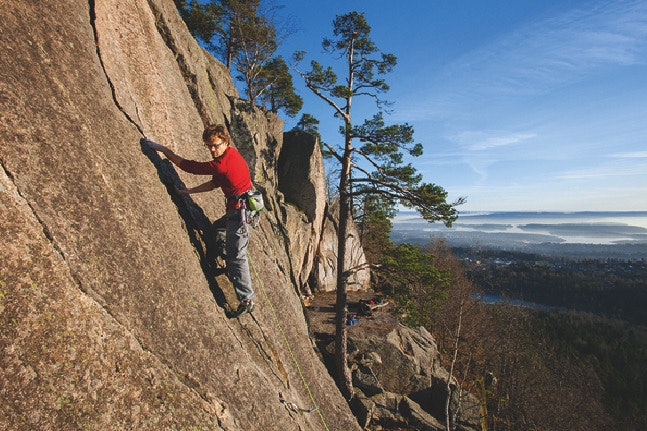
(236, 256)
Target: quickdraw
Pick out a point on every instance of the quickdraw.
(295, 408)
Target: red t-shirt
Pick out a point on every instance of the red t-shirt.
(229, 172)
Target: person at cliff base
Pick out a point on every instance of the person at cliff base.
(230, 172)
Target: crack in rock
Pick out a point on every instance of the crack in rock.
(93, 18)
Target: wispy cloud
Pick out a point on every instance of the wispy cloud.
(480, 150)
(631, 155)
(481, 141)
(606, 171)
(552, 51)
(536, 58)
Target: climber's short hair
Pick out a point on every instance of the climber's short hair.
(215, 131)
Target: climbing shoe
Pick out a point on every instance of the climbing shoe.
(246, 306)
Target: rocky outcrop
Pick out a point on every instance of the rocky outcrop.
(324, 274)
(301, 179)
(400, 381)
(302, 176)
(112, 312)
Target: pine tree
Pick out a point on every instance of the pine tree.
(244, 36)
(276, 90)
(378, 163)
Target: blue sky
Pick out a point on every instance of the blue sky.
(520, 105)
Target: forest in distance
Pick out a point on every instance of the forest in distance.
(615, 288)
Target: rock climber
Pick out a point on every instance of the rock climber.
(230, 172)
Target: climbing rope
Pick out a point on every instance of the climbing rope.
(291, 405)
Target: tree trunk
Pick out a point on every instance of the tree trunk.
(344, 377)
(250, 93)
(449, 420)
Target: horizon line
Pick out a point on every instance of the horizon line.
(534, 211)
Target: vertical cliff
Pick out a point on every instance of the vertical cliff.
(112, 314)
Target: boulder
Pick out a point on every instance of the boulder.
(393, 411)
(408, 359)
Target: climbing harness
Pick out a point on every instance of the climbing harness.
(290, 405)
(250, 205)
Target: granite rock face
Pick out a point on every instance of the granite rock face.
(302, 181)
(112, 312)
(324, 274)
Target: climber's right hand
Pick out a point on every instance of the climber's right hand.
(155, 146)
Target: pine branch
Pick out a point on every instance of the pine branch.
(333, 152)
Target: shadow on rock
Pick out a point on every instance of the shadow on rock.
(202, 233)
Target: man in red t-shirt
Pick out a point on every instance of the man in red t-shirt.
(230, 172)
